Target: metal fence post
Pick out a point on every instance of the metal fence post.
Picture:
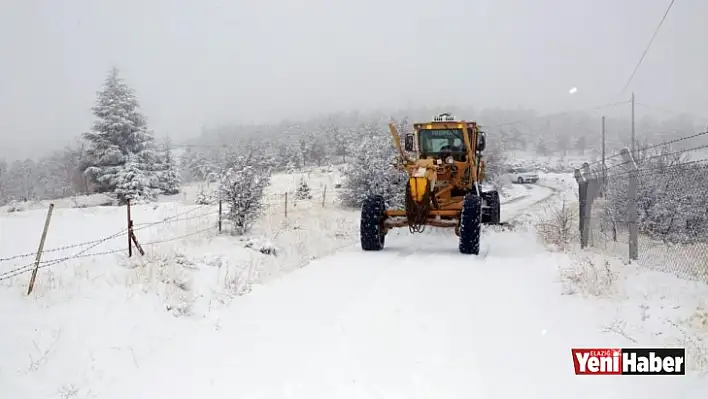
(632, 214)
(582, 200)
(590, 195)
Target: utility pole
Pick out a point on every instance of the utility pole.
(634, 154)
(604, 166)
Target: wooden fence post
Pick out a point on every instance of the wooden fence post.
(41, 248)
(286, 204)
(219, 216)
(132, 239)
(130, 230)
(324, 196)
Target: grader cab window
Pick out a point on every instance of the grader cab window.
(436, 141)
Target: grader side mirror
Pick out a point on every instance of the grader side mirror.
(408, 142)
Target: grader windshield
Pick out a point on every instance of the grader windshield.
(435, 141)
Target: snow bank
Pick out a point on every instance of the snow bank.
(79, 201)
(174, 322)
(415, 320)
(91, 318)
(640, 306)
(643, 307)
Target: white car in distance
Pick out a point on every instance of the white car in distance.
(522, 175)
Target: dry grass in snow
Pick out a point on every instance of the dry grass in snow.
(107, 313)
(641, 306)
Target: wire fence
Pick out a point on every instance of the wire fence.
(213, 215)
(649, 207)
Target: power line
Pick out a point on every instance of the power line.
(670, 111)
(646, 50)
(553, 115)
(700, 164)
(662, 144)
(667, 154)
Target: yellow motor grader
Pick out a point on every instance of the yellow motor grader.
(443, 187)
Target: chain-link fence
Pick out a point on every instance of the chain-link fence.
(649, 209)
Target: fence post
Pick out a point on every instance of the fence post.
(324, 196)
(130, 229)
(41, 248)
(582, 200)
(632, 213)
(286, 204)
(219, 216)
(593, 191)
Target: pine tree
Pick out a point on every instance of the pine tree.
(303, 191)
(3, 177)
(169, 176)
(120, 133)
(133, 183)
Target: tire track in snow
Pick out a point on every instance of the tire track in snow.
(551, 192)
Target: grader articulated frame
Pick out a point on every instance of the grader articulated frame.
(443, 188)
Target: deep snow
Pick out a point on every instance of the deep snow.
(416, 320)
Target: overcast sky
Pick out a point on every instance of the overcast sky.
(207, 62)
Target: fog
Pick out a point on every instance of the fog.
(201, 63)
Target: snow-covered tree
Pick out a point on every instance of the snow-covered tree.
(672, 197)
(119, 133)
(581, 145)
(204, 197)
(169, 175)
(22, 181)
(563, 143)
(542, 146)
(59, 174)
(403, 127)
(242, 187)
(200, 166)
(494, 159)
(133, 183)
(371, 172)
(339, 142)
(291, 168)
(303, 191)
(3, 177)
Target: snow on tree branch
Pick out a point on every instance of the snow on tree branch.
(371, 171)
(121, 157)
(242, 187)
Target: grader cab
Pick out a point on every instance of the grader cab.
(443, 190)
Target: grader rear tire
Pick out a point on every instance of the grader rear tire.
(370, 229)
(470, 224)
(493, 214)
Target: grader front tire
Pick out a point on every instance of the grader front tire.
(370, 229)
(470, 225)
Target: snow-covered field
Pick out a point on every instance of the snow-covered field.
(415, 320)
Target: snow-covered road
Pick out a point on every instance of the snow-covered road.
(417, 320)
